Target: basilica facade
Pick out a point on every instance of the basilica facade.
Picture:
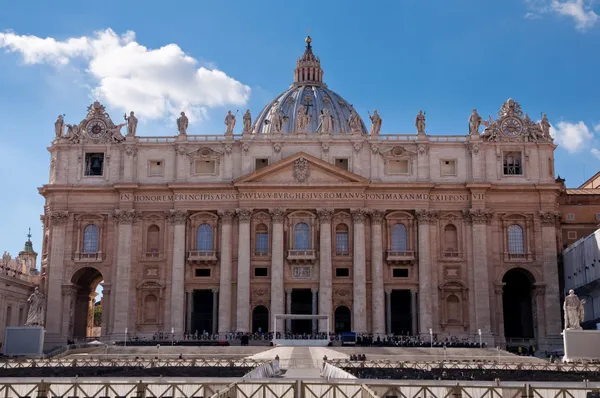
(304, 210)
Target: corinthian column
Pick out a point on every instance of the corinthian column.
(225, 281)
(359, 282)
(277, 288)
(178, 219)
(551, 295)
(377, 292)
(325, 270)
(425, 286)
(58, 221)
(480, 219)
(124, 220)
(243, 279)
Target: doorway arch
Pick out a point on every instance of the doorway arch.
(517, 304)
(260, 319)
(342, 319)
(85, 282)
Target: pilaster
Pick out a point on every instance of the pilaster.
(215, 308)
(359, 284)
(325, 267)
(377, 299)
(225, 325)
(178, 219)
(425, 285)
(549, 221)
(277, 271)
(243, 280)
(58, 221)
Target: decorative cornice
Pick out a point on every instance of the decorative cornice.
(377, 217)
(226, 215)
(277, 214)
(478, 216)
(359, 215)
(178, 217)
(549, 218)
(59, 217)
(125, 216)
(325, 215)
(244, 215)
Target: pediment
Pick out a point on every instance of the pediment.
(303, 169)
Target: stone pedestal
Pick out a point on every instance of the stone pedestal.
(581, 344)
(24, 341)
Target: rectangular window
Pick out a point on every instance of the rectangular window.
(262, 244)
(342, 272)
(341, 243)
(597, 216)
(342, 163)
(512, 163)
(400, 273)
(261, 271)
(259, 163)
(448, 167)
(570, 217)
(94, 164)
(155, 168)
(398, 166)
(204, 167)
(572, 235)
(202, 272)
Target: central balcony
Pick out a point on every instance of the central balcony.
(302, 256)
(400, 256)
(88, 257)
(202, 257)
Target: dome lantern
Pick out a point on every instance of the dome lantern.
(308, 68)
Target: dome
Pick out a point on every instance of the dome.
(308, 106)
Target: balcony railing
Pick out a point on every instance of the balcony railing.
(88, 257)
(518, 256)
(261, 253)
(301, 255)
(343, 253)
(452, 254)
(202, 256)
(153, 256)
(400, 256)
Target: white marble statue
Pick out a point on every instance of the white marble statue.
(35, 316)
(59, 126)
(375, 123)
(230, 123)
(247, 121)
(354, 122)
(303, 119)
(182, 124)
(573, 308)
(420, 123)
(132, 122)
(326, 121)
(277, 119)
(73, 133)
(474, 122)
(545, 126)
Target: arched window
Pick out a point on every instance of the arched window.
(90, 239)
(450, 239)
(399, 242)
(261, 244)
(515, 239)
(153, 239)
(204, 238)
(301, 237)
(342, 246)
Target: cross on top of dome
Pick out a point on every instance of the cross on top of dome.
(308, 68)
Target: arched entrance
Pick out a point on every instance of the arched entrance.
(518, 305)
(260, 319)
(343, 320)
(85, 282)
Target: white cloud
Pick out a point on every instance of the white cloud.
(596, 153)
(155, 83)
(571, 136)
(579, 10)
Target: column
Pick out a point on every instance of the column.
(91, 308)
(359, 278)
(325, 268)
(425, 304)
(550, 267)
(106, 305)
(388, 310)
(480, 219)
(225, 325)
(377, 294)
(314, 309)
(243, 279)
(288, 309)
(124, 220)
(215, 310)
(501, 340)
(58, 221)
(190, 310)
(178, 219)
(129, 159)
(69, 301)
(277, 271)
(413, 313)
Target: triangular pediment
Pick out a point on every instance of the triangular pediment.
(301, 168)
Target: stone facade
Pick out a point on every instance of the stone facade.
(385, 233)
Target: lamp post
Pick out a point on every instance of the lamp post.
(172, 336)
(431, 337)
(125, 337)
(479, 332)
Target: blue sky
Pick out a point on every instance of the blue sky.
(206, 57)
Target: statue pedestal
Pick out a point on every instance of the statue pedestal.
(581, 344)
(22, 341)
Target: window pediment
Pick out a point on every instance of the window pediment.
(398, 152)
(205, 153)
(150, 284)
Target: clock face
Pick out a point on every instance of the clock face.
(96, 128)
(511, 127)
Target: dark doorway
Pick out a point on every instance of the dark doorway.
(343, 320)
(517, 304)
(87, 280)
(260, 319)
(202, 315)
(401, 314)
(302, 304)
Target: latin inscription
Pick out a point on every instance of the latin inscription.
(216, 197)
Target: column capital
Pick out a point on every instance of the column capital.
(244, 215)
(126, 217)
(277, 214)
(226, 215)
(215, 290)
(478, 216)
(377, 216)
(325, 215)
(314, 290)
(549, 218)
(499, 288)
(288, 291)
(359, 215)
(539, 289)
(427, 216)
(177, 217)
(59, 217)
(388, 291)
(69, 289)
